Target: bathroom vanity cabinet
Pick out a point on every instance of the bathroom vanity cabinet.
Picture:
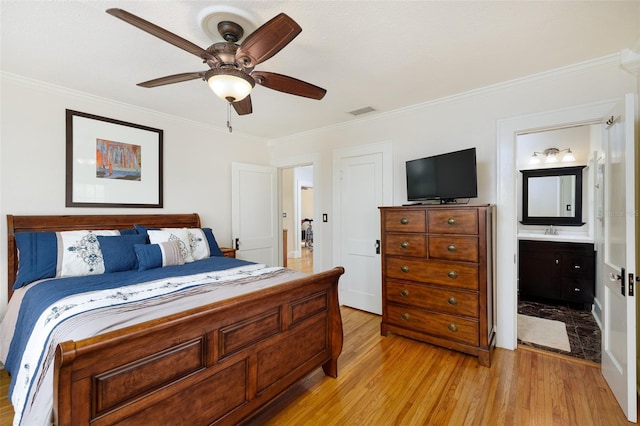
(560, 271)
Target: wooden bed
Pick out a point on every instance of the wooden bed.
(217, 364)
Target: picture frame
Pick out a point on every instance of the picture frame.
(112, 163)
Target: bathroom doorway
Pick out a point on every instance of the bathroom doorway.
(548, 323)
(298, 220)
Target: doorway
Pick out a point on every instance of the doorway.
(298, 218)
(549, 318)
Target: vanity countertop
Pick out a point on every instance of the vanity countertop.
(560, 237)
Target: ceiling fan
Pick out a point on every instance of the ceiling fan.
(231, 73)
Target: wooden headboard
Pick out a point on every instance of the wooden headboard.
(17, 224)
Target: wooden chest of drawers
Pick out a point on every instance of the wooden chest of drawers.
(437, 276)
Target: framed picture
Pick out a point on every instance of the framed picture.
(112, 163)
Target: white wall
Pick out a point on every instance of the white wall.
(458, 122)
(197, 159)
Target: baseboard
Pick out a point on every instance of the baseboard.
(596, 311)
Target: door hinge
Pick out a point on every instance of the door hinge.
(377, 246)
(237, 243)
(631, 284)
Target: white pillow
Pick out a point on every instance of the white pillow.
(79, 252)
(199, 244)
(173, 234)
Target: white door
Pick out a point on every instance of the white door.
(619, 323)
(363, 182)
(254, 212)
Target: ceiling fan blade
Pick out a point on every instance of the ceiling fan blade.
(244, 106)
(267, 40)
(287, 84)
(162, 34)
(170, 79)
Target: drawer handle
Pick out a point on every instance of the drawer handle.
(452, 274)
(576, 266)
(404, 292)
(404, 244)
(404, 268)
(453, 327)
(451, 221)
(452, 301)
(405, 317)
(404, 221)
(577, 290)
(452, 248)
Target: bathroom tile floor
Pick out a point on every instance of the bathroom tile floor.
(582, 329)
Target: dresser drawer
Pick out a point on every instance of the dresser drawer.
(401, 244)
(441, 299)
(461, 248)
(405, 221)
(453, 221)
(441, 325)
(451, 274)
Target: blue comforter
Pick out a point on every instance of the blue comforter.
(44, 293)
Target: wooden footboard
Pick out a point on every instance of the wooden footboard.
(217, 364)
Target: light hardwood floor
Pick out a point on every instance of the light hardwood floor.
(304, 263)
(397, 381)
(6, 410)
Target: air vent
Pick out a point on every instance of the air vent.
(361, 111)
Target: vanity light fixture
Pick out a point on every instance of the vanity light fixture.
(551, 156)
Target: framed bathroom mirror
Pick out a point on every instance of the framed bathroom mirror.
(552, 196)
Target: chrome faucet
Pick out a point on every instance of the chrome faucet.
(551, 231)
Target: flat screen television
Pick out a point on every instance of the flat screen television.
(444, 177)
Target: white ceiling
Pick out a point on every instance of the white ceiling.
(383, 54)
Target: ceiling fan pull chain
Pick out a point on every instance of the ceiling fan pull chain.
(229, 117)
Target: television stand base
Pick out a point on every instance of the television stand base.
(439, 201)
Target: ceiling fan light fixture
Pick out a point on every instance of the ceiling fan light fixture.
(230, 84)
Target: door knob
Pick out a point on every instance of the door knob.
(620, 277)
(614, 277)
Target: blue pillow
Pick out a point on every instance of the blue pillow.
(158, 255)
(129, 231)
(38, 257)
(213, 244)
(143, 229)
(118, 253)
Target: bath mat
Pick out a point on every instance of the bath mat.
(549, 333)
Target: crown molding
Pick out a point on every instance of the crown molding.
(53, 88)
(557, 73)
(630, 61)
